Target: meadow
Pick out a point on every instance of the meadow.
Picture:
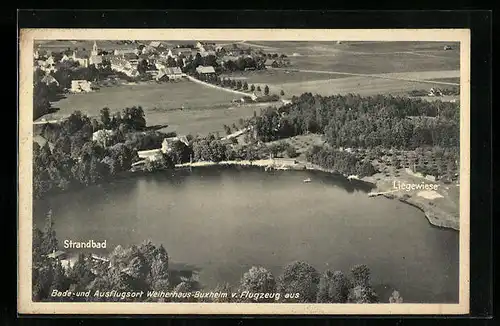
(271, 76)
(185, 106)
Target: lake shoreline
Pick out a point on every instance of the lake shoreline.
(436, 216)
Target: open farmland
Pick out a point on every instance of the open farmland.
(328, 47)
(374, 63)
(324, 67)
(395, 84)
(271, 76)
(165, 96)
(202, 121)
(185, 106)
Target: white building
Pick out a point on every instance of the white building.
(81, 86)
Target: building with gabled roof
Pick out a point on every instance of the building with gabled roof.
(205, 70)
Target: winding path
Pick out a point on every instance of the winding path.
(217, 87)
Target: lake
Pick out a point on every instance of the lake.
(222, 221)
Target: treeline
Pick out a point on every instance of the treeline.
(146, 268)
(355, 121)
(82, 151)
(340, 161)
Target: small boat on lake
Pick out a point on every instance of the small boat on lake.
(307, 180)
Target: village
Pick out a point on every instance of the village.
(153, 61)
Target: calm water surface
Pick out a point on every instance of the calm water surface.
(223, 221)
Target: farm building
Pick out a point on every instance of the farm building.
(205, 70)
(156, 45)
(176, 52)
(151, 155)
(207, 53)
(81, 86)
(166, 145)
(270, 63)
(173, 72)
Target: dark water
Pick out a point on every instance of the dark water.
(223, 221)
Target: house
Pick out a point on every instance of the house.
(82, 60)
(151, 155)
(103, 136)
(59, 254)
(126, 51)
(435, 92)
(207, 53)
(204, 47)
(173, 73)
(156, 45)
(205, 70)
(41, 141)
(227, 58)
(186, 52)
(49, 79)
(81, 86)
(270, 63)
(166, 145)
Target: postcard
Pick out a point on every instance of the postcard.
(244, 171)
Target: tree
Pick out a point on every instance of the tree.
(266, 90)
(282, 93)
(223, 288)
(252, 88)
(299, 277)
(258, 280)
(360, 275)
(227, 129)
(258, 89)
(49, 240)
(396, 297)
(59, 281)
(81, 273)
(291, 151)
(105, 117)
(142, 67)
(238, 84)
(362, 294)
(245, 86)
(333, 288)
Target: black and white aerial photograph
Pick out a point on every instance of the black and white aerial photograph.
(245, 171)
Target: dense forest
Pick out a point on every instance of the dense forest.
(146, 268)
(368, 123)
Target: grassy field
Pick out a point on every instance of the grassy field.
(455, 80)
(374, 64)
(277, 76)
(165, 96)
(317, 47)
(202, 121)
(356, 85)
(205, 109)
(407, 60)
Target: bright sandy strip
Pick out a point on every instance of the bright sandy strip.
(429, 194)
